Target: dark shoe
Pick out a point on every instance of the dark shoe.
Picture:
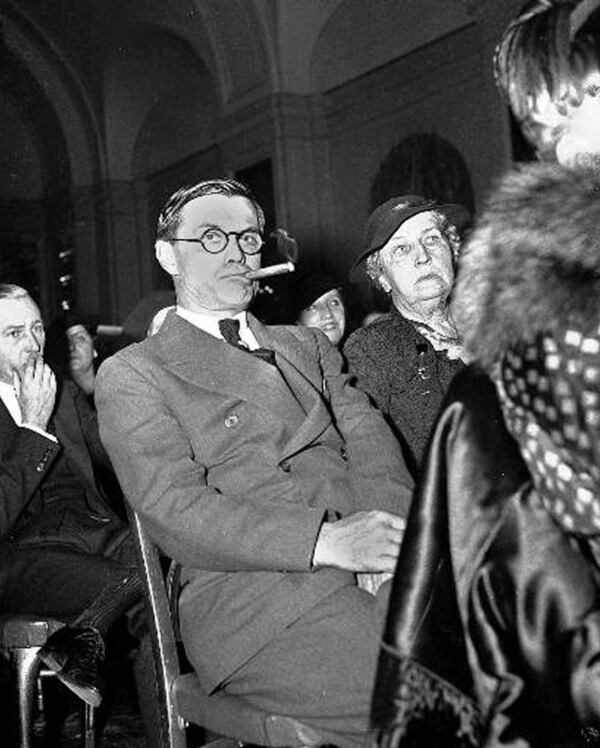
(76, 655)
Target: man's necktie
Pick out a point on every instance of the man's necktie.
(230, 330)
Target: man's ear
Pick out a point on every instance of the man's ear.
(165, 255)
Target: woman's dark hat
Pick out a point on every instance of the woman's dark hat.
(389, 216)
(310, 283)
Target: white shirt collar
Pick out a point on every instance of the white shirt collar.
(9, 398)
(210, 324)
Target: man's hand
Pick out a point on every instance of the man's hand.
(365, 541)
(36, 387)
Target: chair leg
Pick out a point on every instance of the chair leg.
(27, 665)
(89, 727)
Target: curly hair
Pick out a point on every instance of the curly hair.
(545, 63)
(374, 268)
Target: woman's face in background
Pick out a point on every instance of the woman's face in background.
(328, 314)
(81, 348)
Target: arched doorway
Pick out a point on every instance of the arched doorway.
(424, 164)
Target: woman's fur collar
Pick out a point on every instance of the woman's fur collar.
(532, 263)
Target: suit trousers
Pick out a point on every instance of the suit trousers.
(54, 580)
(321, 669)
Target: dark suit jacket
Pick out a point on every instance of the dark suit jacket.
(27, 461)
(404, 376)
(234, 474)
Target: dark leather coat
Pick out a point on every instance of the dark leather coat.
(493, 632)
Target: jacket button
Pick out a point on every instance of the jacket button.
(231, 421)
(40, 467)
(285, 466)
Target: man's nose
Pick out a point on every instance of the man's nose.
(35, 342)
(326, 312)
(233, 251)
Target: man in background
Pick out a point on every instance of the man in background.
(63, 552)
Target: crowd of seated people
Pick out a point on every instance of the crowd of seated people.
(292, 469)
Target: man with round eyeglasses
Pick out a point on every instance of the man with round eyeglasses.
(269, 478)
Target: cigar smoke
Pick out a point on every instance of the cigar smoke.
(288, 248)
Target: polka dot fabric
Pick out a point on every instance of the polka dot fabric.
(550, 395)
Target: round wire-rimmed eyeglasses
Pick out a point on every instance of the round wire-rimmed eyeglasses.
(214, 240)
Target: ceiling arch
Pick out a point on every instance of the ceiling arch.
(144, 66)
(359, 37)
(38, 64)
(229, 37)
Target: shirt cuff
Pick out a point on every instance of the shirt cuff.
(39, 431)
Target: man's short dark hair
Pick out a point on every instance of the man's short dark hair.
(170, 215)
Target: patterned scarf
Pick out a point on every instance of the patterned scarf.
(549, 390)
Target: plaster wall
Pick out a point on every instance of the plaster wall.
(444, 88)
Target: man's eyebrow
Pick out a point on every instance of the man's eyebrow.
(205, 225)
(10, 328)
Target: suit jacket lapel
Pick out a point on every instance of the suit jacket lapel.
(208, 362)
(295, 365)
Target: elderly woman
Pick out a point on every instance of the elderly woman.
(493, 634)
(406, 360)
(318, 302)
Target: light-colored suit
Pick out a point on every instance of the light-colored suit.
(234, 464)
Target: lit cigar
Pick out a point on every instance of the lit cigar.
(283, 267)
